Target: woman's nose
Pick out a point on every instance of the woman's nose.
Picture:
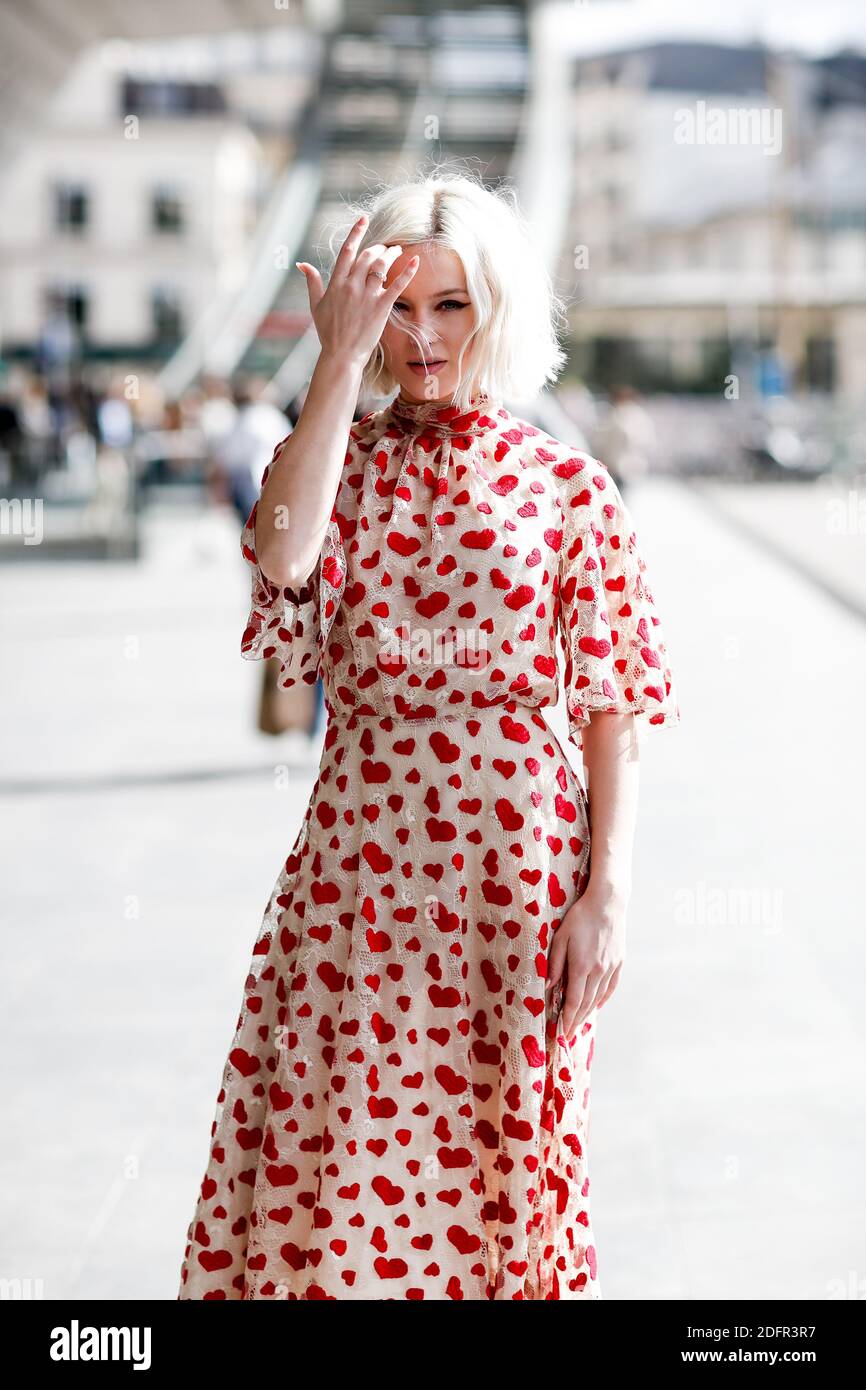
(425, 325)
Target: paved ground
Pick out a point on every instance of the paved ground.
(147, 823)
(817, 528)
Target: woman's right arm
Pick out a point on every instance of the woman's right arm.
(296, 501)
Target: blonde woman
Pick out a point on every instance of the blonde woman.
(404, 1110)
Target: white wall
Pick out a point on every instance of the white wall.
(216, 164)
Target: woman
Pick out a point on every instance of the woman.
(405, 1106)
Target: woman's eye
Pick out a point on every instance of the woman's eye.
(446, 303)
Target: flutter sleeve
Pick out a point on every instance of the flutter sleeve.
(615, 653)
(292, 624)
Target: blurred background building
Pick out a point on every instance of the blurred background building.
(710, 242)
(701, 207)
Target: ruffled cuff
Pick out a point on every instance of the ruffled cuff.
(293, 625)
(615, 651)
(283, 622)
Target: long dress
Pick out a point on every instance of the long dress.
(400, 1116)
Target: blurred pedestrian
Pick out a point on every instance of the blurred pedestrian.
(114, 418)
(37, 428)
(625, 438)
(239, 461)
(216, 411)
(10, 438)
(244, 451)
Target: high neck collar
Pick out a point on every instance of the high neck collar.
(441, 418)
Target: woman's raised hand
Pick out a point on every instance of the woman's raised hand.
(350, 315)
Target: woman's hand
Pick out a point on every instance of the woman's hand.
(588, 946)
(351, 313)
(588, 951)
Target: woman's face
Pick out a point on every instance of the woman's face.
(436, 302)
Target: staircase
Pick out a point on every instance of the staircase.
(399, 84)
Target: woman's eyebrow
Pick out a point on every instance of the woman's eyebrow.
(439, 293)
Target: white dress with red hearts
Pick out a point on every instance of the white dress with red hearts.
(399, 1116)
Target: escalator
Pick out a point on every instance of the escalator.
(399, 85)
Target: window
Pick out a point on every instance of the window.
(63, 327)
(166, 210)
(170, 97)
(68, 303)
(166, 314)
(71, 208)
(819, 366)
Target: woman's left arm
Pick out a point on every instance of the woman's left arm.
(589, 944)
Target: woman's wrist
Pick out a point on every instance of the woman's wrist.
(339, 360)
(610, 881)
(334, 386)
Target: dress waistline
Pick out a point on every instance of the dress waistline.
(510, 706)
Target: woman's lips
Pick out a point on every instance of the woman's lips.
(426, 369)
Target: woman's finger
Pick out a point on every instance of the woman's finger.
(596, 988)
(392, 254)
(346, 254)
(376, 252)
(611, 986)
(382, 266)
(556, 960)
(396, 288)
(580, 1010)
(315, 288)
(574, 993)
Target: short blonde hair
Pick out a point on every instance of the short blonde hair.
(513, 349)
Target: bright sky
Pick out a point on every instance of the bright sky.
(821, 27)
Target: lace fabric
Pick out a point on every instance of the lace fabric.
(443, 419)
(291, 624)
(399, 1115)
